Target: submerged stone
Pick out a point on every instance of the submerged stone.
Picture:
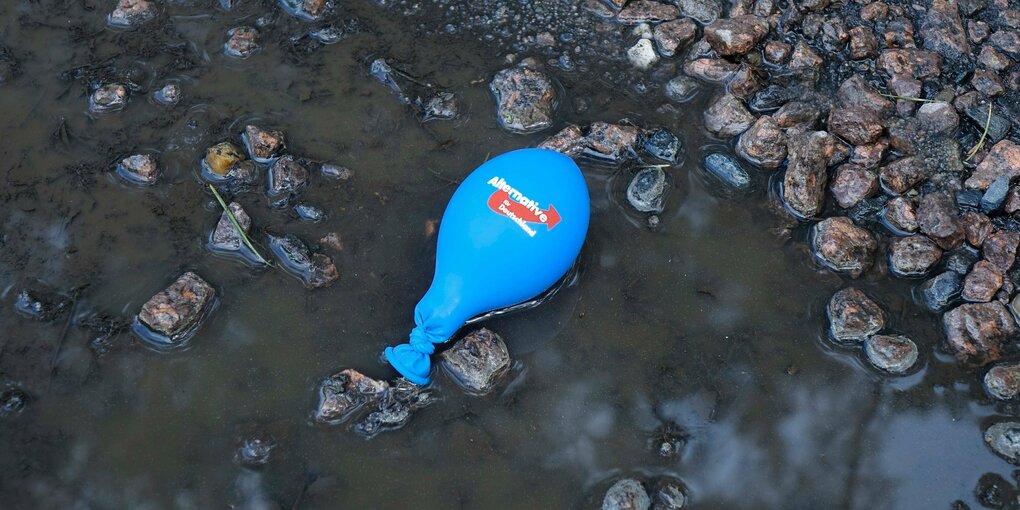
(913, 255)
(893, 354)
(525, 99)
(139, 169)
(241, 177)
(336, 171)
(345, 393)
(610, 142)
(941, 291)
(168, 95)
(12, 401)
(225, 237)
(647, 190)
(669, 495)
(477, 362)
(108, 98)
(662, 144)
(314, 269)
(175, 312)
(981, 284)
(242, 42)
(309, 213)
(853, 316)
(132, 13)
(1003, 381)
(263, 144)
(255, 451)
(1004, 439)
(221, 157)
(569, 141)
(41, 305)
(441, 106)
(626, 494)
(976, 332)
(842, 246)
(401, 400)
(727, 169)
(286, 176)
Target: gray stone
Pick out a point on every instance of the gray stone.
(225, 237)
(627, 494)
(976, 332)
(913, 255)
(647, 190)
(842, 246)
(727, 170)
(1003, 381)
(477, 362)
(175, 311)
(942, 290)
(995, 195)
(853, 316)
(893, 354)
(1004, 439)
(662, 144)
(525, 99)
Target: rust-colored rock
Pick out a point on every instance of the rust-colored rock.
(610, 141)
(852, 184)
(673, 36)
(900, 215)
(976, 332)
(711, 69)
(727, 116)
(918, 63)
(863, 43)
(999, 249)
(647, 11)
(737, 35)
(569, 141)
(263, 144)
(853, 316)
(976, 227)
(1002, 160)
(842, 246)
(763, 144)
(858, 126)
(939, 219)
(870, 155)
(525, 99)
(981, 284)
(913, 255)
(174, 311)
(901, 175)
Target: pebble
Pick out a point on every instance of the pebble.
(335, 171)
(727, 116)
(610, 142)
(12, 401)
(139, 169)
(842, 246)
(263, 144)
(853, 316)
(669, 495)
(736, 35)
(286, 176)
(525, 99)
(344, 394)
(315, 270)
(913, 255)
(900, 216)
(175, 312)
(662, 144)
(642, 55)
(441, 106)
(477, 362)
(225, 236)
(626, 494)
(255, 451)
(981, 284)
(727, 169)
(41, 305)
(309, 213)
(995, 195)
(853, 183)
(647, 190)
(1003, 381)
(132, 13)
(764, 143)
(806, 174)
(242, 42)
(976, 332)
(112, 97)
(940, 291)
(241, 178)
(221, 157)
(1004, 439)
(168, 95)
(893, 354)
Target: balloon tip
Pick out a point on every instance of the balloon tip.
(413, 365)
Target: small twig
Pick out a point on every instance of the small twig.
(67, 327)
(237, 226)
(442, 177)
(988, 124)
(653, 166)
(908, 98)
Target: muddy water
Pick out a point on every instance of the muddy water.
(712, 322)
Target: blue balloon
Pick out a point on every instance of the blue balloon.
(511, 230)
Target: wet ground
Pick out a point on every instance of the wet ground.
(711, 323)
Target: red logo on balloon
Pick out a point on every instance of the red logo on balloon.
(501, 203)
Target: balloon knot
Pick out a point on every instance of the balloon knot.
(420, 341)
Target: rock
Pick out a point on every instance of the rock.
(642, 55)
(242, 42)
(681, 88)
(918, 63)
(1003, 381)
(309, 213)
(995, 195)
(938, 218)
(662, 144)
(390, 78)
(727, 116)
(1004, 440)
(776, 52)
(673, 36)
(1006, 41)
(737, 35)
(441, 106)
(647, 11)
(763, 144)
(875, 11)
(857, 126)
(647, 190)
(263, 145)
(863, 43)
(112, 97)
(12, 401)
(1000, 250)
(703, 11)
(960, 261)
(240, 178)
(477, 362)
(338, 172)
(906, 86)
(982, 283)
(900, 216)
(569, 141)
(255, 451)
(797, 114)
(852, 184)
(132, 13)
(612, 142)
(525, 99)
(395, 408)
(345, 393)
(803, 57)
(139, 169)
(225, 236)
(943, 32)
(856, 93)
(286, 176)
(333, 240)
(305, 9)
(715, 70)
(1002, 161)
(853, 316)
(993, 60)
(727, 170)
(221, 157)
(893, 354)
(901, 175)
(669, 495)
(976, 227)
(168, 95)
(315, 270)
(42, 305)
(998, 125)
(175, 312)
(806, 173)
(976, 332)
(629, 494)
(941, 291)
(987, 83)
(913, 255)
(774, 96)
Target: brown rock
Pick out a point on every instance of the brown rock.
(976, 227)
(139, 169)
(242, 42)
(978, 31)
(263, 144)
(857, 126)
(943, 32)
(1012, 203)
(764, 144)
(174, 311)
(938, 218)
(806, 173)
(610, 141)
(899, 32)
(992, 59)
(981, 284)
(525, 99)
(875, 11)
(854, 92)
(870, 155)
(852, 184)
(987, 83)
(797, 113)
(345, 393)
(917, 63)
(853, 316)
(569, 141)
(647, 11)
(1006, 41)
(220, 157)
(674, 35)
(1003, 381)
(743, 82)
(804, 57)
(477, 362)
(225, 237)
(905, 85)
(776, 52)
(286, 175)
(975, 332)
(999, 250)
(711, 69)
(900, 215)
(863, 43)
(727, 116)
(913, 255)
(842, 246)
(131, 13)
(1002, 160)
(901, 175)
(737, 35)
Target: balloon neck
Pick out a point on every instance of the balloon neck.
(412, 359)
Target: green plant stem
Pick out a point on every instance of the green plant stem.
(988, 124)
(908, 98)
(237, 226)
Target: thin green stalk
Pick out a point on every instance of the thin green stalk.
(981, 143)
(908, 98)
(237, 226)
